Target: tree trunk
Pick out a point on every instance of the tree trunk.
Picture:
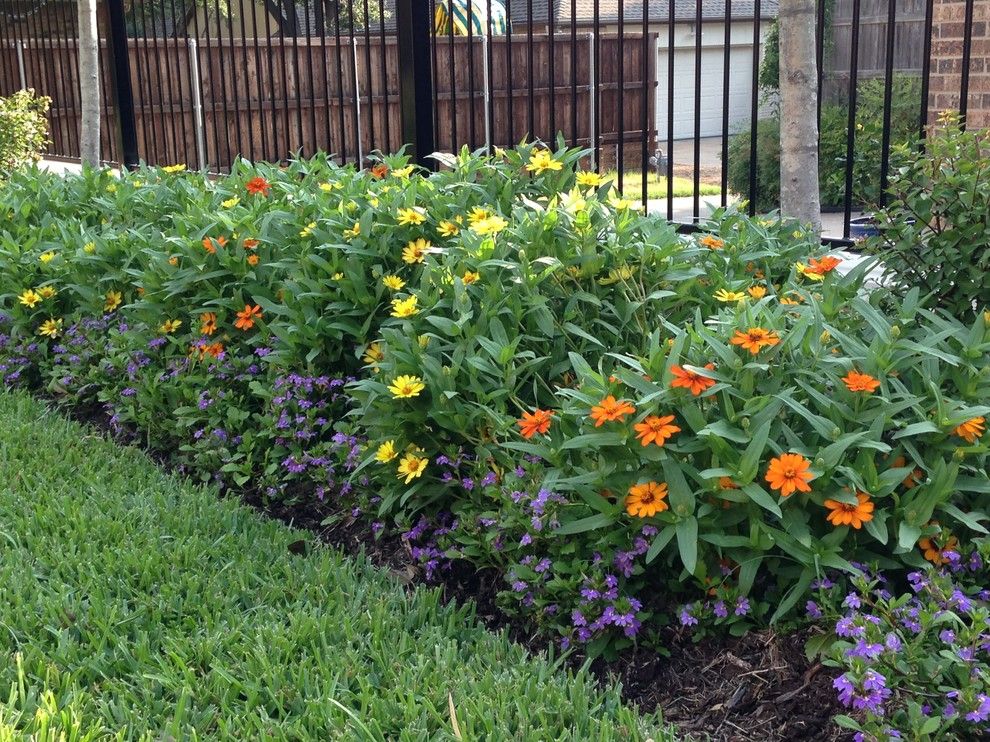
(799, 195)
(89, 83)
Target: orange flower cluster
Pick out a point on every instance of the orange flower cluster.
(246, 317)
(971, 429)
(820, 267)
(690, 380)
(537, 421)
(755, 339)
(789, 473)
(258, 186)
(847, 514)
(859, 382)
(655, 429)
(646, 499)
(611, 410)
(210, 244)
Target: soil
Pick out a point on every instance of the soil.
(755, 688)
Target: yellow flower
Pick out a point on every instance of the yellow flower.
(393, 282)
(404, 387)
(470, 277)
(113, 300)
(573, 202)
(809, 273)
(177, 168)
(757, 292)
(411, 466)
(403, 172)
(47, 292)
(619, 204)
(478, 213)
(373, 354)
(386, 452)
(790, 300)
(337, 276)
(29, 298)
(111, 187)
(231, 202)
(308, 229)
(730, 296)
(423, 340)
(415, 215)
(622, 273)
(89, 248)
(586, 178)
(47, 257)
(447, 228)
(404, 307)
(415, 251)
(170, 325)
(50, 327)
(327, 187)
(489, 225)
(541, 160)
(353, 231)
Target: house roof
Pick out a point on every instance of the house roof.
(658, 10)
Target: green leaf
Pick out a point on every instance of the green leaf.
(687, 542)
(751, 457)
(662, 539)
(761, 497)
(586, 524)
(916, 429)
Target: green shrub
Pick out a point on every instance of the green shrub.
(832, 150)
(935, 234)
(23, 128)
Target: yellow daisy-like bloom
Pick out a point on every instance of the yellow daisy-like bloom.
(447, 228)
(47, 292)
(386, 452)
(373, 354)
(623, 273)
(792, 300)
(730, 296)
(29, 297)
(415, 251)
(170, 325)
(405, 387)
(231, 202)
(353, 231)
(489, 225)
(337, 276)
(393, 282)
(470, 277)
(542, 160)
(586, 178)
(177, 168)
(307, 230)
(50, 328)
(47, 257)
(573, 202)
(757, 292)
(619, 204)
(809, 273)
(412, 216)
(411, 466)
(326, 187)
(89, 248)
(111, 187)
(404, 307)
(403, 172)
(112, 300)
(478, 213)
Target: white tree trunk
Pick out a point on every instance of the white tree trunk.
(799, 195)
(89, 83)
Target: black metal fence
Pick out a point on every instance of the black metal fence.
(677, 96)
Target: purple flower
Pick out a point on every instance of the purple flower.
(686, 618)
(811, 607)
(982, 711)
(852, 601)
(847, 627)
(893, 642)
(865, 650)
(947, 635)
(719, 609)
(742, 606)
(526, 540)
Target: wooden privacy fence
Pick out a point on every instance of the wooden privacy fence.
(204, 101)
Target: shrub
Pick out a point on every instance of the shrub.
(617, 418)
(23, 128)
(905, 104)
(935, 234)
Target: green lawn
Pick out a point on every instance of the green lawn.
(134, 605)
(656, 187)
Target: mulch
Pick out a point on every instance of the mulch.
(755, 688)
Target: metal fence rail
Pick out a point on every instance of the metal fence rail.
(661, 87)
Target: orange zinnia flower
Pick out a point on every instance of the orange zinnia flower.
(726, 483)
(210, 243)
(245, 318)
(207, 323)
(712, 243)
(691, 380)
(253, 259)
(846, 514)
(755, 339)
(250, 243)
(257, 186)
(933, 553)
(857, 382)
(646, 499)
(537, 421)
(611, 410)
(789, 473)
(971, 429)
(656, 429)
(823, 266)
(380, 170)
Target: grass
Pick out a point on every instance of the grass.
(656, 186)
(135, 605)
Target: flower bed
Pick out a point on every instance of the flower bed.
(513, 366)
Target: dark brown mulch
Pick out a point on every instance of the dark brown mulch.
(756, 688)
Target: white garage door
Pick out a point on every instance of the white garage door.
(740, 91)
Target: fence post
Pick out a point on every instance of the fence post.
(357, 100)
(121, 80)
(197, 103)
(592, 133)
(416, 78)
(20, 64)
(488, 93)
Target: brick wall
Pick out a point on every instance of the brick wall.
(948, 28)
